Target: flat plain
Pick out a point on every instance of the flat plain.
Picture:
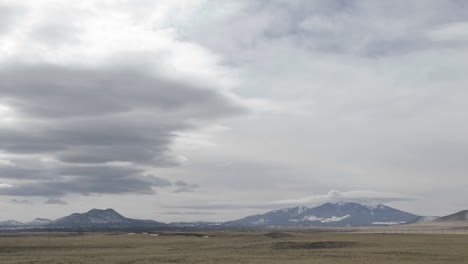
(234, 247)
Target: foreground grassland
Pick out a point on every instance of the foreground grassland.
(230, 247)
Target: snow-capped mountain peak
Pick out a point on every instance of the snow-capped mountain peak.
(301, 209)
(371, 205)
(40, 222)
(329, 214)
(11, 223)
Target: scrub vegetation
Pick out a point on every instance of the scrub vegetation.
(233, 247)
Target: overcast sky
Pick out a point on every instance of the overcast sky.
(214, 110)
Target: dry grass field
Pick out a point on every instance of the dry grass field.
(234, 247)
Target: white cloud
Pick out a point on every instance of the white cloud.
(6, 163)
(450, 32)
(348, 196)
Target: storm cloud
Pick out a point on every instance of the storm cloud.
(356, 27)
(91, 117)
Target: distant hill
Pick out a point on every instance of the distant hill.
(199, 224)
(40, 222)
(456, 217)
(422, 219)
(93, 219)
(108, 218)
(329, 214)
(11, 223)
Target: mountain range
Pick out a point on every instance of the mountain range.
(94, 219)
(329, 214)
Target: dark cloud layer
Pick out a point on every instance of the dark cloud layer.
(92, 117)
(48, 91)
(55, 201)
(16, 201)
(88, 180)
(355, 27)
(183, 186)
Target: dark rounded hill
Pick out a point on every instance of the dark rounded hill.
(97, 217)
(461, 216)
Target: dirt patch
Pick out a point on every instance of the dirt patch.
(13, 249)
(184, 234)
(277, 235)
(406, 253)
(313, 245)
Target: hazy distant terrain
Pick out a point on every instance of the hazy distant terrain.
(233, 247)
(456, 217)
(318, 234)
(329, 214)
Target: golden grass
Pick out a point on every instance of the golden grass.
(425, 228)
(232, 247)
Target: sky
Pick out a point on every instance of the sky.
(211, 110)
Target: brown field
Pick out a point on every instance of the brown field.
(234, 247)
(426, 228)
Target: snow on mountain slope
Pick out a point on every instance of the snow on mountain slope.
(328, 214)
(40, 222)
(11, 223)
(461, 216)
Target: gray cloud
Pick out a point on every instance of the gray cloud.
(183, 186)
(8, 16)
(22, 173)
(89, 116)
(361, 27)
(86, 180)
(354, 95)
(381, 83)
(57, 31)
(223, 206)
(187, 213)
(332, 196)
(63, 92)
(349, 196)
(86, 116)
(249, 175)
(16, 201)
(52, 200)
